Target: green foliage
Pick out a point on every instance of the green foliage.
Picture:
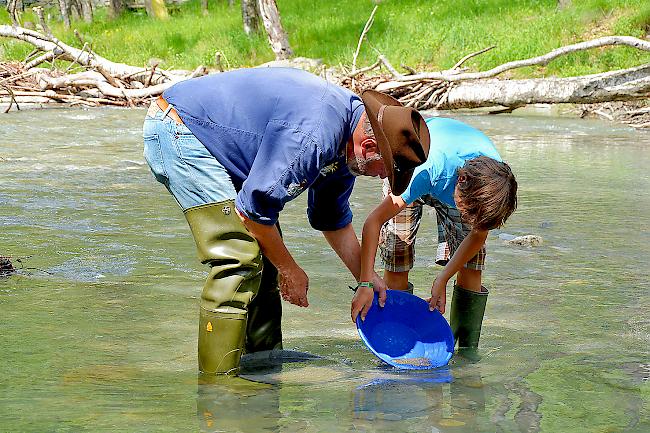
(422, 34)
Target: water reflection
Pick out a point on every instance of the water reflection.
(226, 404)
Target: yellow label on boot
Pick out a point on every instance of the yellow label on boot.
(208, 327)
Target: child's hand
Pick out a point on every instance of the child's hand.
(380, 288)
(361, 302)
(438, 295)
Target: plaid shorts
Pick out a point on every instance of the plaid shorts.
(397, 240)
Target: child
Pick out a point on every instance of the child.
(472, 191)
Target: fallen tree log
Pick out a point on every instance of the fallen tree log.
(103, 81)
(623, 85)
(457, 89)
(113, 83)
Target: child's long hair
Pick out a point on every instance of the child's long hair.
(487, 192)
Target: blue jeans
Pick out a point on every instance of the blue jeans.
(179, 161)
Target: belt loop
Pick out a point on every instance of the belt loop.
(167, 110)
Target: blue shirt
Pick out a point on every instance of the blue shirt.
(277, 131)
(452, 143)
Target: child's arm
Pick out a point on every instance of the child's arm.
(467, 249)
(387, 209)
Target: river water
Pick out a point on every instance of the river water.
(98, 327)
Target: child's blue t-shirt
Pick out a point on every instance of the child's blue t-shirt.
(452, 144)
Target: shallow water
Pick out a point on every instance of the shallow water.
(98, 328)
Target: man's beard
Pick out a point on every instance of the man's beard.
(358, 165)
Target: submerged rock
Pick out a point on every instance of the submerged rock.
(6, 267)
(526, 241)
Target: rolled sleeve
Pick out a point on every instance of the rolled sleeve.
(329, 201)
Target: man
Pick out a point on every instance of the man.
(233, 148)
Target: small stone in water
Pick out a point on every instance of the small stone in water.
(6, 267)
(527, 240)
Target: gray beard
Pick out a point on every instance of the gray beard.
(358, 165)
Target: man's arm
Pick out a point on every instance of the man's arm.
(467, 249)
(293, 280)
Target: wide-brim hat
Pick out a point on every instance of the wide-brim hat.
(402, 136)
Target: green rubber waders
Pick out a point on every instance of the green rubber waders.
(221, 340)
(235, 262)
(265, 314)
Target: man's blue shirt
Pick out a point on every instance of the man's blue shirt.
(452, 144)
(277, 131)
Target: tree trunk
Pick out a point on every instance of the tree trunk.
(156, 9)
(114, 9)
(204, 7)
(64, 7)
(277, 36)
(87, 8)
(12, 8)
(622, 85)
(75, 9)
(250, 16)
(627, 84)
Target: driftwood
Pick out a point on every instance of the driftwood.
(455, 88)
(102, 81)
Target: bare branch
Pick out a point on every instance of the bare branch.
(469, 56)
(366, 28)
(390, 68)
(366, 69)
(540, 60)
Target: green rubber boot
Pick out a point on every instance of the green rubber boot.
(466, 318)
(235, 262)
(265, 314)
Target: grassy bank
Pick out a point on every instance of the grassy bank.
(422, 34)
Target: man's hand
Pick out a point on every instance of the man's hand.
(438, 295)
(294, 284)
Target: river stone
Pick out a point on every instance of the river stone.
(6, 267)
(526, 241)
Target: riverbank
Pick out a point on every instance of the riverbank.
(422, 35)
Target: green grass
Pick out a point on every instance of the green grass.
(426, 35)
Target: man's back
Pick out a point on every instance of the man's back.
(235, 114)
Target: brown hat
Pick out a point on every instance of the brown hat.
(402, 136)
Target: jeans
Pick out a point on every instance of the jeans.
(179, 161)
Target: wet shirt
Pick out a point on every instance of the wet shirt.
(452, 144)
(277, 131)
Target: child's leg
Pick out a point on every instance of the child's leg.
(396, 280)
(469, 296)
(397, 245)
(469, 279)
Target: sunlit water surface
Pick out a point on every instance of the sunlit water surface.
(98, 329)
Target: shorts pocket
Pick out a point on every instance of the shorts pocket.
(153, 156)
